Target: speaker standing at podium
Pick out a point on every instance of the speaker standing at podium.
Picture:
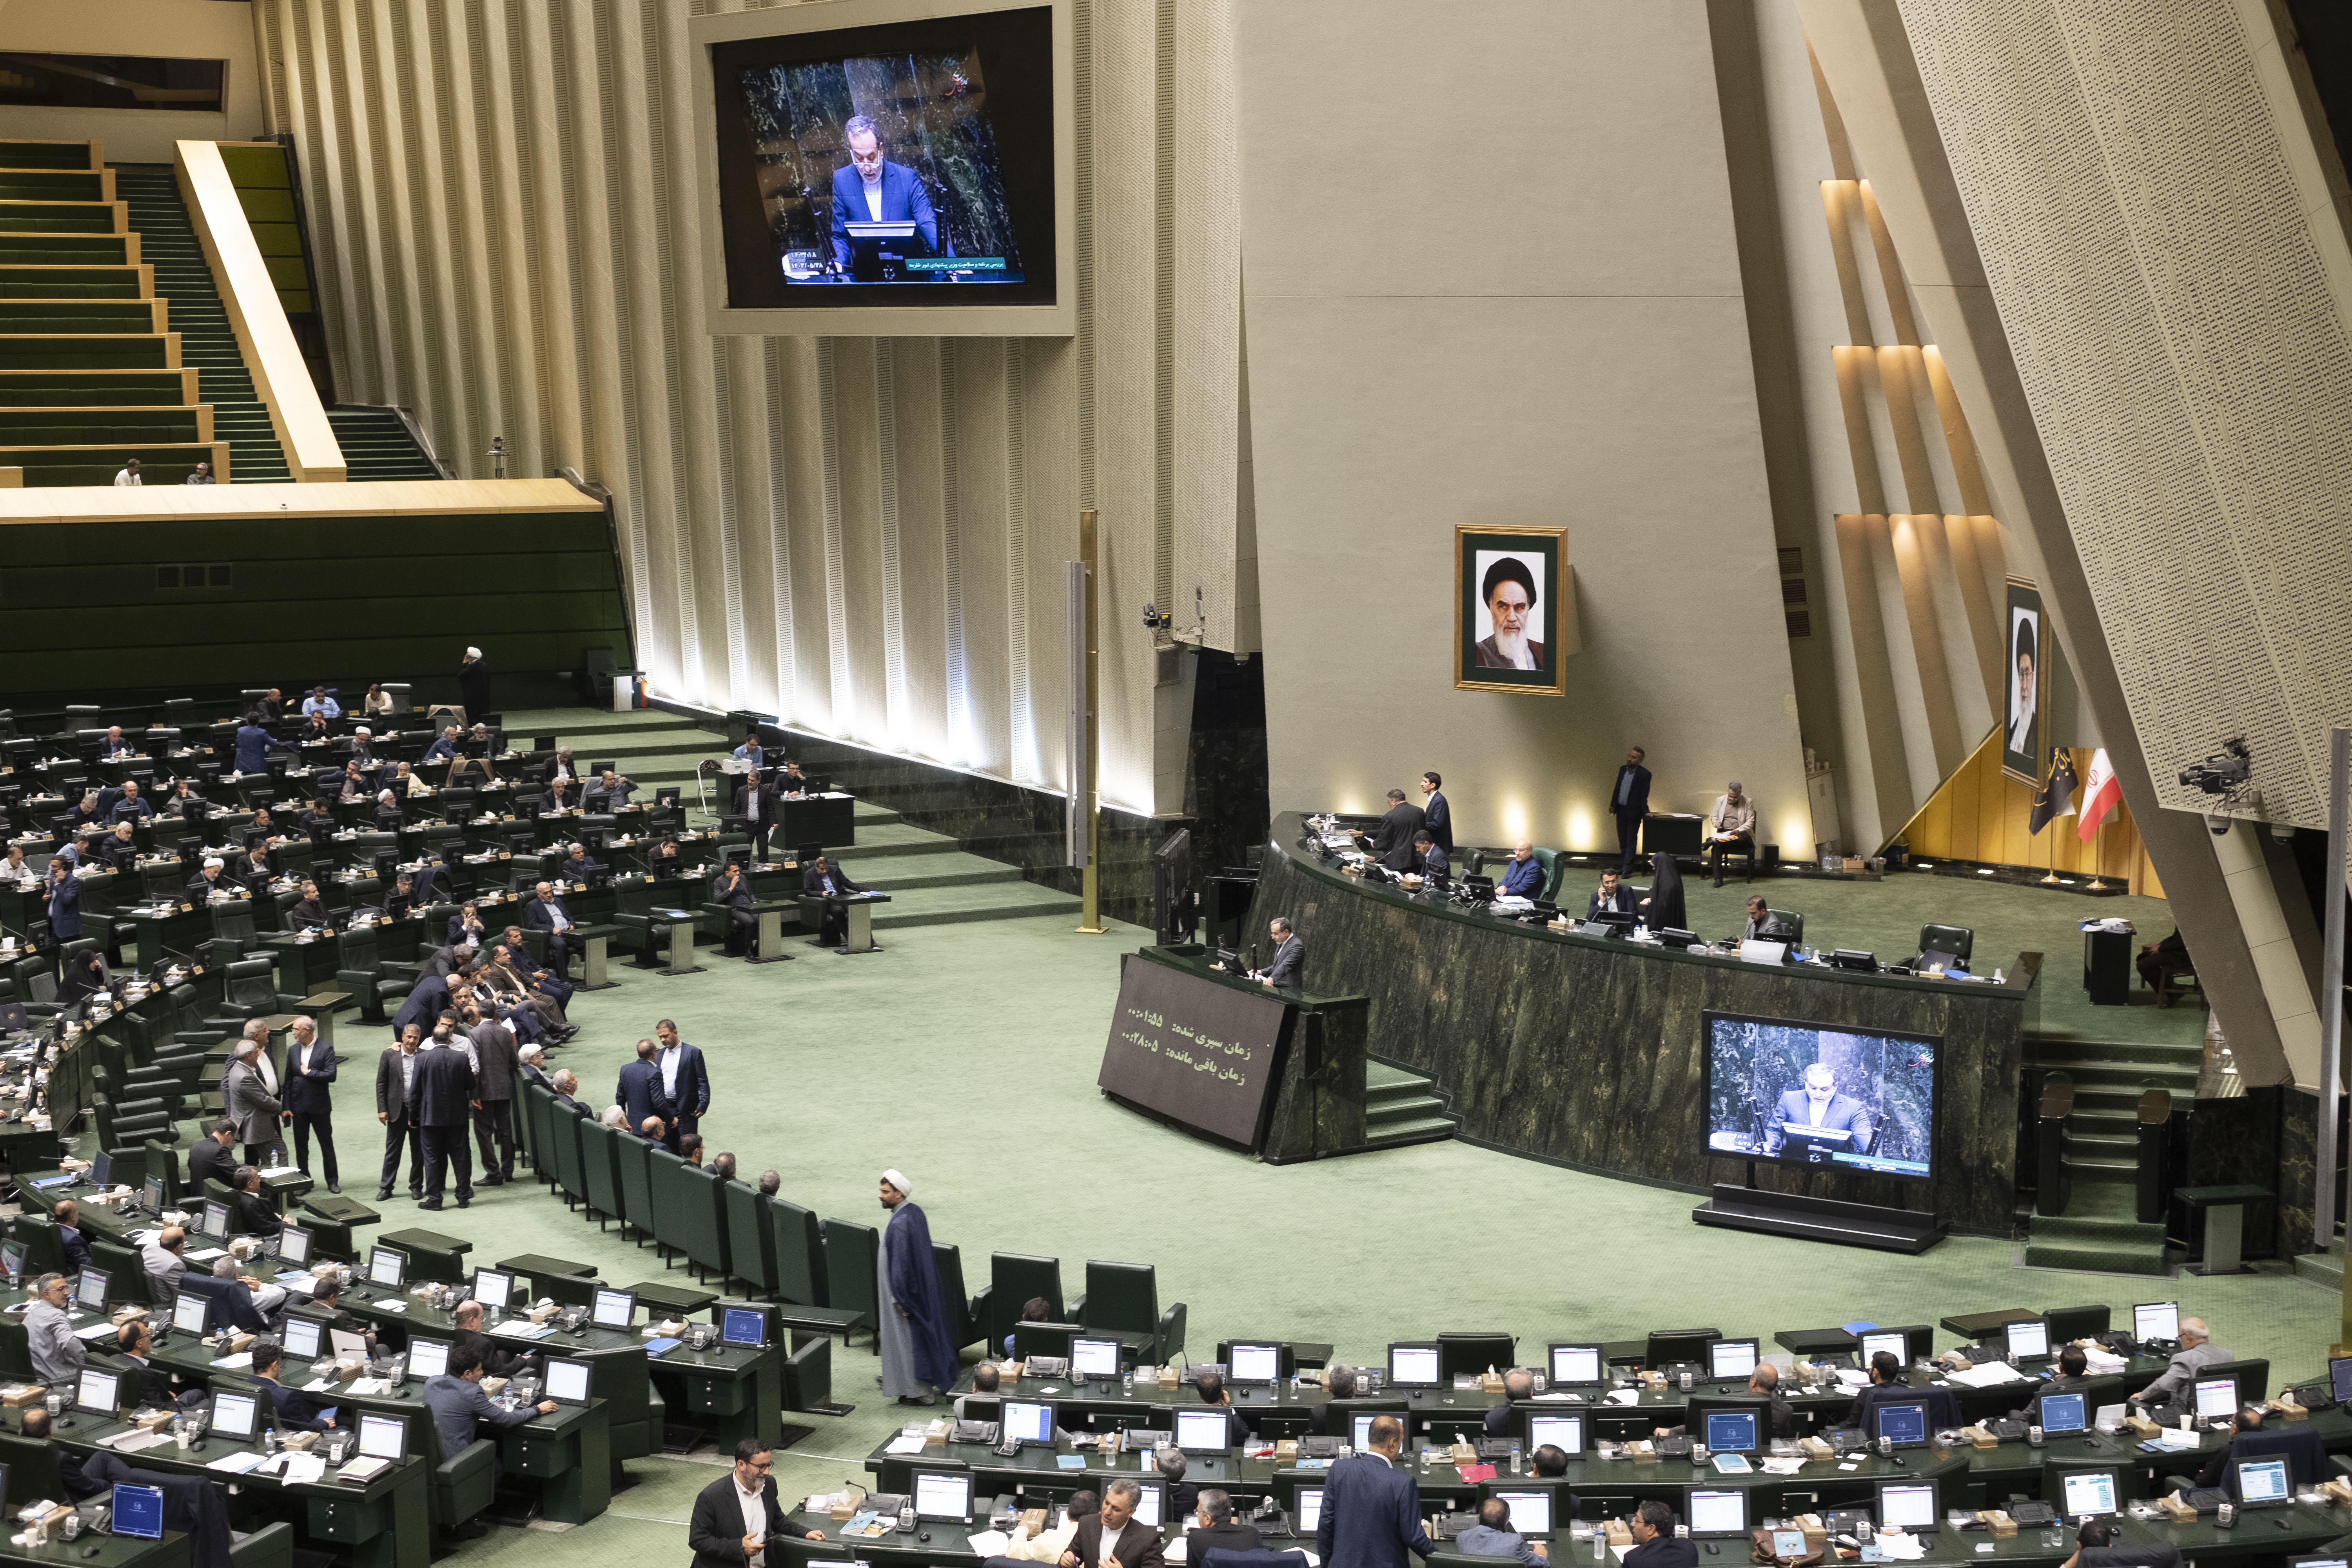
(1289, 966)
(871, 189)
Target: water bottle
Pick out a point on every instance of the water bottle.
(1514, 1457)
(905, 1519)
(269, 1440)
(1127, 1383)
(1686, 1382)
(2033, 1436)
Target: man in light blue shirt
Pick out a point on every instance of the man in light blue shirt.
(319, 702)
(751, 752)
(1492, 1536)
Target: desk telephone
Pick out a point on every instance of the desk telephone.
(1976, 1356)
(2315, 1396)
(1673, 1447)
(1846, 1438)
(1318, 1448)
(973, 1432)
(1143, 1439)
(1046, 1366)
(1450, 1525)
(1496, 1448)
(2033, 1515)
(2006, 1431)
(1269, 1520)
(2204, 1499)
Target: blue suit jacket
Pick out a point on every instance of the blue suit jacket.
(903, 197)
(65, 909)
(1523, 878)
(1371, 1516)
(305, 1093)
(639, 1093)
(1437, 815)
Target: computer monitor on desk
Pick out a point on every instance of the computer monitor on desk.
(1908, 1505)
(1415, 1365)
(1565, 1433)
(1905, 1425)
(1531, 1509)
(2027, 1339)
(2089, 1493)
(2156, 1323)
(1253, 1362)
(1731, 1361)
(1577, 1365)
(2063, 1415)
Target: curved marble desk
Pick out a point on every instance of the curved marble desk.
(1585, 1051)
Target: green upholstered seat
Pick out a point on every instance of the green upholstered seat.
(600, 1170)
(851, 1256)
(43, 1253)
(801, 1274)
(702, 1224)
(637, 1207)
(751, 1241)
(1791, 919)
(32, 1463)
(1124, 1298)
(126, 1277)
(670, 1198)
(361, 971)
(1555, 870)
(808, 1371)
(568, 1144)
(1015, 1278)
(164, 1160)
(1474, 1352)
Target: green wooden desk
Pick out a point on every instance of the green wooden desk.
(113, 1551)
(431, 1254)
(733, 1393)
(570, 1454)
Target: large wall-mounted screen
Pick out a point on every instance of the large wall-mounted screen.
(1820, 1094)
(868, 163)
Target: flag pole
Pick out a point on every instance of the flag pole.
(2049, 790)
(2098, 859)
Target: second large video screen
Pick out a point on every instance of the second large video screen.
(900, 163)
(1819, 1094)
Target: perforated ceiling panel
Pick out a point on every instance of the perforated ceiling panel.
(2131, 195)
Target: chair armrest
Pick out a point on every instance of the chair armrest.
(2177, 1482)
(271, 1546)
(1078, 1310)
(1171, 1331)
(477, 1460)
(980, 1310)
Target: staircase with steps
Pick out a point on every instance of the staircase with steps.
(931, 880)
(2099, 1231)
(168, 240)
(377, 446)
(1401, 1108)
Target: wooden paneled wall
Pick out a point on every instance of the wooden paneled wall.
(1981, 813)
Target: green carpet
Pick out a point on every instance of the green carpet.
(965, 1055)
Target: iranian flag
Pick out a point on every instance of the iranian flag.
(2102, 794)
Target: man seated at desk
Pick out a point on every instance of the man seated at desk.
(615, 788)
(364, 749)
(68, 1214)
(184, 799)
(1655, 1545)
(1517, 1384)
(2159, 962)
(404, 896)
(519, 959)
(1763, 925)
(255, 1214)
(731, 890)
(317, 818)
(578, 868)
(1612, 898)
(1049, 1544)
(114, 747)
(1211, 1387)
(209, 882)
(89, 813)
(1216, 1530)
(546, 911)
(498, 1361)
(264, 827)
(78, 1488)
(290, 1409)
(208, 1156)
(1817, 1104)
(308, 913)
(319, 705)
(353, 786)
(253, 872)
(824, 878)
(1523, 874)
(460, 1409)
(1429, 856)
(119, 850)
(141, 1386)
(667, 860)
(1113, 1536)
(2196, 1349)
(792, 784)
(1551, 1459)
(2073, 1370)
(389, 817)
(1392, 843)
(1765, 1381)
(558, 797)
(1492, 1536)
(1731, 828)
(2093, 1548)
(133, 806)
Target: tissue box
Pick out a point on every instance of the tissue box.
(152, 1420)
(2140, 1425)
(1999, 1523)
(1286, 1451)
(2289, 1409)
(542, 1313)
(128, 1315)
(1032, 1522)
(17, 1396)
(1814, 1448)
(2336, 1490)
(1620, 1532)
(2177, 1509)
(1979, 1437)
(298, 1442)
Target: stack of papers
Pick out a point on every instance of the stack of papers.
(1992, 1375)
(301, 1469)
(362, 1469)
(1625, 1396)
(2101, 1360)
(237, 1464)
(906, 1443)
(992, 1543)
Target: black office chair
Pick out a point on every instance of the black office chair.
(1668, 1346)
(1957, 941)
(2068, 1324)
(1466, 1354)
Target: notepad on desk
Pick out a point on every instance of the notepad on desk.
(362, 1469)
(906, 1443)
(662, 1346)
(236, 1464)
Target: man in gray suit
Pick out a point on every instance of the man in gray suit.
(1819, 1104)
(1492, 1536)
(2197, 1351)
(1288, 965)
(245, 1100)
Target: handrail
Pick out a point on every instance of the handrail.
(279, 374)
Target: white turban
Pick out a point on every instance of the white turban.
(899, 1181)
(473, 653)
(215, 863)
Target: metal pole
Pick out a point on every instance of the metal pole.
(2331, 999)
(1090, 912)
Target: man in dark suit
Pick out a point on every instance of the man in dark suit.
(685, 1079)
(441, 1102)
(1437, 813)
(1371, 1513)
(1115, 1534)
(77, 1246)
(427, 1000)
(731, 890)
(735, 1516)
(1655, 1545)
(1763, 925)
(395, 1076)
(2093, 1548)
(291, 1410)
(1628, 802)
(1613, 897)
(497, 1360)
(546, 912)
(823, 877)
(255, 1214)
(559, 797)
(141, 1386)
(310, 1068)
(567, 1087)
(1517, 1385)
(209, 1157)
(496, 1063)
(1429, 856)
(1392, 845)
(640, 1090)
(869, 189)
(1819, 1104)
(1287, 967)
(1215, 1529)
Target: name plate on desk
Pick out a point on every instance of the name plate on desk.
(1195, 1051)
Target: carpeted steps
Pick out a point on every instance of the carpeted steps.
(2100, 1231)
(1401, 1108)
(377, 446)
(168, 240)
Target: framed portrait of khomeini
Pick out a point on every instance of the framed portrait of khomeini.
(1506, 610)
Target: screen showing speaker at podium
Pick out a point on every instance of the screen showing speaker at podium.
(1816, 1094)
(908, 163)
